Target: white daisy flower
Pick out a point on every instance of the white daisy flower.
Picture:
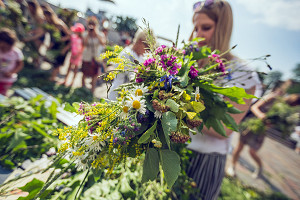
(158, 114)
(125, 110)
(137, 103)
(140, 90)
(92, 143)
(197, 94)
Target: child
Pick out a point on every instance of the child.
(11, 59)
(76, 49)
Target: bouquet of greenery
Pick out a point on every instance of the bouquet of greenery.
(283, 117)
(169, 97)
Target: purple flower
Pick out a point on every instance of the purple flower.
(214, 56)
(183, 52)
(160, 49)
(87, 118)
(149, 61)
(139, 80)
(193, 72)
(221, 67)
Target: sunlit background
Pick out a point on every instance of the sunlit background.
(260, 26)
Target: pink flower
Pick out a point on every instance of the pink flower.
(193, 72)
(149, 61)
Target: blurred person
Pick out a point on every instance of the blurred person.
(213, 21)
(255, 140)
(94, 43)
(296, 136)
(2, 5)
(60, 45)
(136, 50)
(11, 59)
(76, 50)
(37, 34)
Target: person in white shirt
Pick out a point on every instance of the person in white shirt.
(135, 51)
(213, 21)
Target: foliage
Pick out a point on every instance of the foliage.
(40, 78)
(169, 96)
(283, 117)
(68, 16)
(296, 72)
(273, 79)
(26, 128)
(126, 24)
(254, 125)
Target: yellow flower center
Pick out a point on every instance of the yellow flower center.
(138, 92)
(197, 97)
(136, 104)
(95, 137)
(125, 109)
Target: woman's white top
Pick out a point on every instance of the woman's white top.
(125, 77)
(241, 76)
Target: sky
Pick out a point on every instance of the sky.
(261, 27)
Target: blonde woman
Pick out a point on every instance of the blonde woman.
(213, 21)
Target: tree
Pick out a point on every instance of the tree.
(296, 71)
(126, 24)
(273, 79)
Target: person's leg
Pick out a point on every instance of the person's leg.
(235, 157)
(68, 72)
(258, 161)
(54, 73)
(75, 73)
(83, 80)
(94, 81)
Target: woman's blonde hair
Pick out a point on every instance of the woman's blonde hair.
(38, 12)
(221, 13)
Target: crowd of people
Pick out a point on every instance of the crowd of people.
(85, 43)
(212, 20)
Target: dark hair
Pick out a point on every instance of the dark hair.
(8, 36)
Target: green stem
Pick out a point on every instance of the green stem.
(51, 181)
(87, 173)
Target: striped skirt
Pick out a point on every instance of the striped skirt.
(207, 170)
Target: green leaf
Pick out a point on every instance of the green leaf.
(76, 105)
(69, 108)
(36, 127)
(33, 187)
(199, 128)
(173, 105)
(229, 122)
(169, 124)
(170, 162)
(216, 125)
(235, 94)
(36, 99)
(234, 110)
(147, 134)
(198, 106)
(191, 115)
(53, 109)
(151, 165)
(97, 174)
(125, 188)
(155, 94)
(149, 104)
(17, 139)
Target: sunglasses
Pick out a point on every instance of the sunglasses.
(203, 4)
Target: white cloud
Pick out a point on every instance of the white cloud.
(276, 13)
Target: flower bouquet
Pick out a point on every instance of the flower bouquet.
(169, 97)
